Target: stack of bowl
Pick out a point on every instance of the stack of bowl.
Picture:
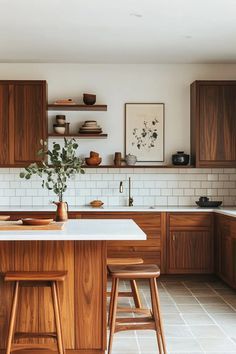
(90, 127)
(61, 126)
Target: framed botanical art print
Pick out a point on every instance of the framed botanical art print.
(144, 131)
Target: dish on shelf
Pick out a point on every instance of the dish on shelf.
(208, 204)
(4, 217)
(89, 99)
(59, 129)
(32, 221)
(93, 161)
(66, 101)
(90, 127)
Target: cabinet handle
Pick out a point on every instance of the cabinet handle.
(173, 237)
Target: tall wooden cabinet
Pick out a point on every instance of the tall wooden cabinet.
(213, 123)
(23, 121)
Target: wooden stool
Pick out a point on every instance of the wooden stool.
(35, 279)
(133, 285)
(153, 320)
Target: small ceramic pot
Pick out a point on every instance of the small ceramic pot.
(89, 99)
(180, 158)
(61, 119)
(59, 129)
(131, 159)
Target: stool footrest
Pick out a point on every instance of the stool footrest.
(134, 310)
(22, 346)
(35, 335)
(135, 326)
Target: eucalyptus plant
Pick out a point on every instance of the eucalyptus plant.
(56, 166)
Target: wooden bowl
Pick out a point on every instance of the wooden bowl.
(38, 222)
(93, 161)
(96, 204)
(4, 217)
(89, 99)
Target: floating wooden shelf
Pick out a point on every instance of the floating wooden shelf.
(139, 166)
(79, 136)
(77, 107)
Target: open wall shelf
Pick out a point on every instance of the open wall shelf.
(79, 136)
(139, 166)
(77, 107)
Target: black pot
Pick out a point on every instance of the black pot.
(180, 158)
(89, 99)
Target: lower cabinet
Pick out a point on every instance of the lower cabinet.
(189, 243)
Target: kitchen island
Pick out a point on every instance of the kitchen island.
(80, 248)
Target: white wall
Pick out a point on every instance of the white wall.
(118, 84)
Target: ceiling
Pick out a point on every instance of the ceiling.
(118, 31)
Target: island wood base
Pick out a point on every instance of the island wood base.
(82, 296)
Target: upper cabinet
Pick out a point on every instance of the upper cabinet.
(23, 121)
(213, 123)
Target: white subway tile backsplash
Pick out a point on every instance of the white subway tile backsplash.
(157, 186)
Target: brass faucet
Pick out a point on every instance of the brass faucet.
(121, 189)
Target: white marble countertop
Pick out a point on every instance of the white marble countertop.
(82, 230)
(231, 211)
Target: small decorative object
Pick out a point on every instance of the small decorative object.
(65, 101)
(90, 127)
(144, 126)
(94, 159)
(67, 131)
(59, 129)
(96, 204)
(180, 158)
(89, 99)
(204, 202)
(4, 217)
(131, 159)
(61, 119)
(117, 159)
(57, 166)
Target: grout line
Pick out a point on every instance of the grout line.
(217, 324)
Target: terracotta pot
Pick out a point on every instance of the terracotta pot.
(62, 211)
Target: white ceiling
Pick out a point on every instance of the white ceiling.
(118, 31)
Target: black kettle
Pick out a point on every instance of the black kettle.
(180, 158)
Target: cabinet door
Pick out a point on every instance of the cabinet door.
(4, 124)
(226, 258)
(29, 109)
(190, 252)
(217, 125)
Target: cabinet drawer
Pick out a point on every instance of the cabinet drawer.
(190, 220)
(153, 240)
(147, 221)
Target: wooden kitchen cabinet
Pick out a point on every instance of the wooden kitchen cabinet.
(226, 249)
(151, 250)
(23, 121)
(189, 243)
(213, 123)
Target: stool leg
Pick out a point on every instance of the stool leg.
(156, 319)
(115, 285)
(111, 305)
(12, 318)
(157, 313)
(59, 305)
(57, 317)
(135, 293)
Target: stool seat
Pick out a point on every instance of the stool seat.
(140, 271)
(124, 261)
(36, 276)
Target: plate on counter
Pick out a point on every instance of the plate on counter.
(36, 222)
(209, 204)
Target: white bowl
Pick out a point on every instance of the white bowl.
(60, 130)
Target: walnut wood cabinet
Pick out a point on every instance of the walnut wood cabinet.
(23, 121)
(226, 248)
(151, 250)
(189, 243)
(213, 123)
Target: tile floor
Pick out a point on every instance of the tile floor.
(199, 318)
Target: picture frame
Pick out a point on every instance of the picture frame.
(144, 131)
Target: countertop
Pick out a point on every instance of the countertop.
(82, 230)
(231, 211)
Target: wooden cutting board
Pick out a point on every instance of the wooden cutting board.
(17, 225)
